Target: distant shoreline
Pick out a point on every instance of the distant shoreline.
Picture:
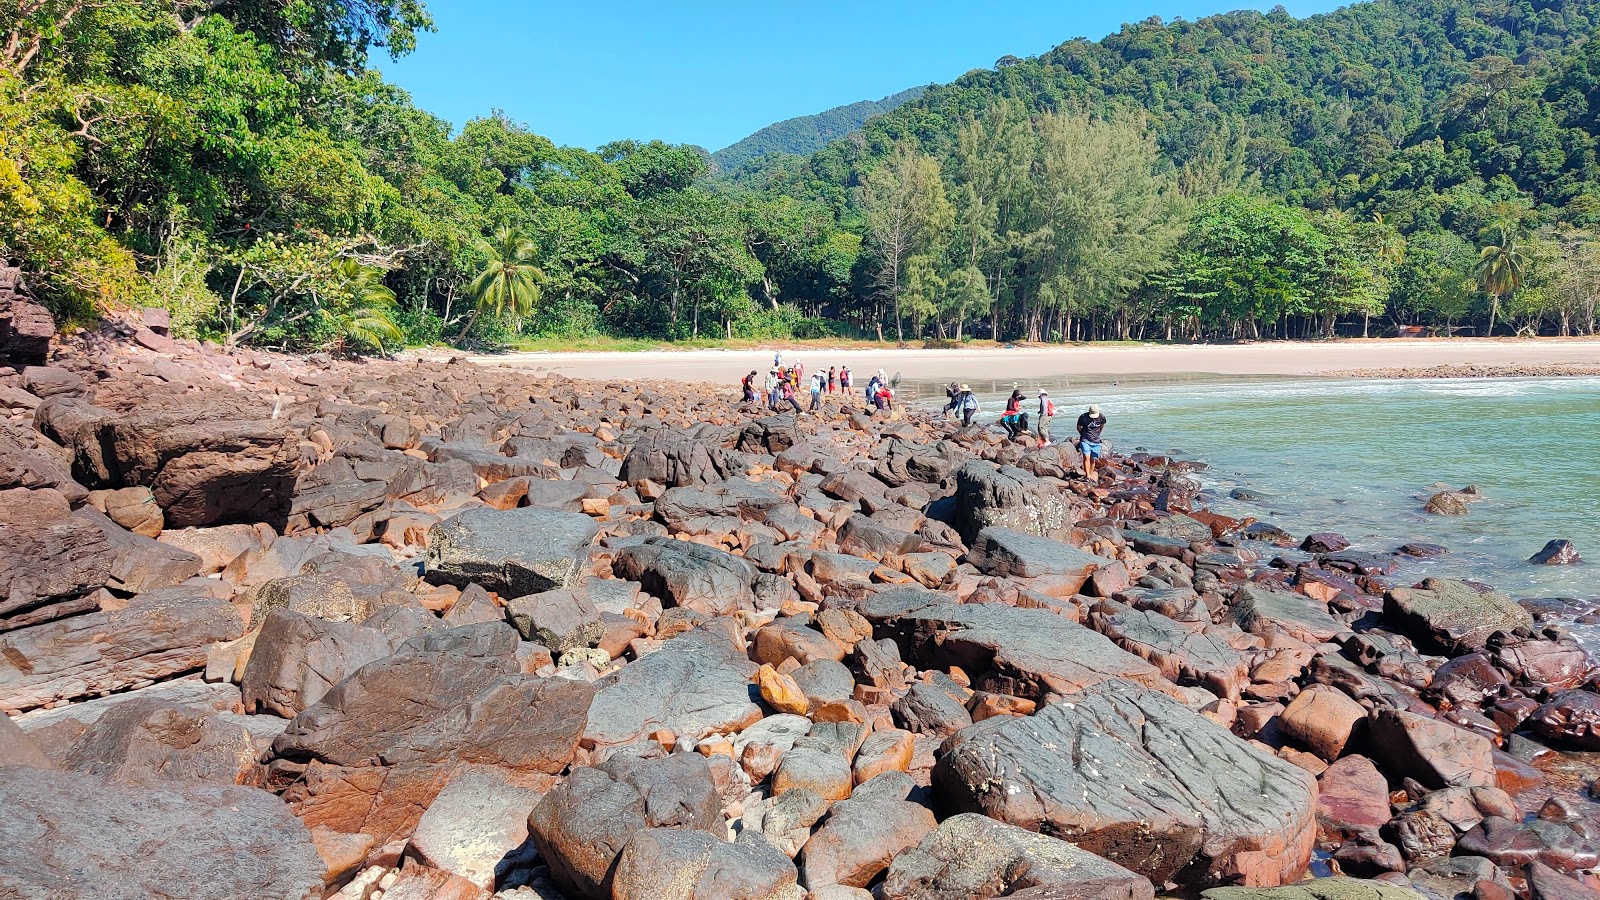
(1370, 358)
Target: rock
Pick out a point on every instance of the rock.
(153, 741)
(479, 817)
(1184, 654)
(871, 539)
(1452, 614)
(1132, 775)
(860, 837)
(884, 751)
(1510, 843)
(989, 495)
(75, 833)
(514, 552)
(139, 564)
(781, 692)
(1352, 795)
(561, 620)
(786, 822)
(158, 635)
(1322, 719)
(696, 684)
(926, 709)
(49, 559)
(1023, 652)
(297, 659)
(1006, 553)
(1320, 889)
(677, 458)
(737, 499)
(822, 772)
(135, 509)
(1446, 503)
(25, 327)
(1557, 553)
(1571, 718)
(707, 580)
(1545, 883)
(583, 825)
(974, 856)
(1262, 610)
(30, 460)
(17, 749)
(1324, 542)
(675, 864)
(1435, 753)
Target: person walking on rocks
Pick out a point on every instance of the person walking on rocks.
(772, 389)
(818, 382)
(1091, 431)
(788, 396)
(833, 379)
(966, 405)
(749, 385)
(844, 379)
(1011, 420)
(1047, 411)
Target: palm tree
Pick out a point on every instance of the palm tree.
(1502, 266)
(362, 311)
(508, 286)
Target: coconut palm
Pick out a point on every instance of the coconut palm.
(1502, 266)
(361, 308)
(508, 286)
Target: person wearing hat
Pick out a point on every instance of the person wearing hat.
(772, 389)
(966, 404)
(1091, 429)
(1047, 409)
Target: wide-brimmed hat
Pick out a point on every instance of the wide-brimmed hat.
(1043, 392)
(1094, 410)
(965, 388)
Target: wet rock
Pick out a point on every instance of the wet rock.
(1545, 883)
(67, 831)
(974, 856)
(1134, 776)
(1571, 718)
(695, 684)
(1557, 553)
(1455, 876)
(297, 659)
(156, 636)
(1453, 614)
(583, 825)
(1553, 665)
(1435, 753)
(1324, 542)
(1446, 503)
(1511, 843)
(676, 864)
(1022, 652)
(693, 576)
(514, 552)
(1468, 681)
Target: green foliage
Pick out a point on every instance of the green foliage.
(808, 134)
(508, 286)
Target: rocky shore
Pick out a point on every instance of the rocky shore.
(1528, 370)
(295, 628)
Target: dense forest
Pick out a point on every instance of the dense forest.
(804, 135)
(1427, 163)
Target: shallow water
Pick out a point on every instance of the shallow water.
(1359, 456)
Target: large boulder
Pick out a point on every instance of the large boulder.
(989, 495)
(1185, 653)
(49, 559)
(1014, 554)
(1006, 650)
(681, 864)
(29, 460)
(1571, 718)
(680, 506)
(479, 818)
(674, 458)
(696, 684)
(970, 855)
(67, 834)
(1453, 615)
(1264, 611)
(860, 836)
(681, 573)
(26, 327)
(156, 636)
(152, 741)
(512, 552)
(207, 458)
(1136, 777)
(583, 825)
(1434, 752)
(297, 659)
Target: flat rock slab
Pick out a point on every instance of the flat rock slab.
(1260, 610)
(1452, 614)
(1015, 554)
(696, 684)
(970, 855)
(155, 637)
(68, 834)
(705, 579)
(1186, 654)
(1135, 777)
(480, 816)
(1023, 652)
(1321, 889)
(512, 552)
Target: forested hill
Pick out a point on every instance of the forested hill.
(808, 134)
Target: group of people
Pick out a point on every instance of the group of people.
(783, 385)
(1091, 424)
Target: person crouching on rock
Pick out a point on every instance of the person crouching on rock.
(1011, 420)
(1091, 431)
(788, 396)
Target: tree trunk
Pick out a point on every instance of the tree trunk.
(1494, 313)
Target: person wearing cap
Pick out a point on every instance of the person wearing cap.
(1091, 429)
(1047, 410)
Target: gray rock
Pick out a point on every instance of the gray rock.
(1452, 614)
(1259, 610)
(970, 855)
(707, 580)
(675, 864)
(698, 683)
(860, 837)
(1135, 777)
(1007, 553)
(514, 552)
(989, 495)
(1320, 889)
(478, 818)
(297, 659)
(561, 620)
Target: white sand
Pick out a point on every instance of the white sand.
(1289, 359)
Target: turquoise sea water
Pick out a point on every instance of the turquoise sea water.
(1359, 456)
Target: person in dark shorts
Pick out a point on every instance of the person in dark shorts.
(1091, 430)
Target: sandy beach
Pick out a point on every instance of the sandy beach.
(1042, 363)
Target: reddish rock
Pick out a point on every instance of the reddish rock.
(1353, 795)
(1571, 718)
(1435, 753)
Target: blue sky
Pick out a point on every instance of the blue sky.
(709, 73)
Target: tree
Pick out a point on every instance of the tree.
(360, 308)
(507, 287)
(1502, 267)
(907, 214)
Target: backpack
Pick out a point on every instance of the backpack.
(1049, 407)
